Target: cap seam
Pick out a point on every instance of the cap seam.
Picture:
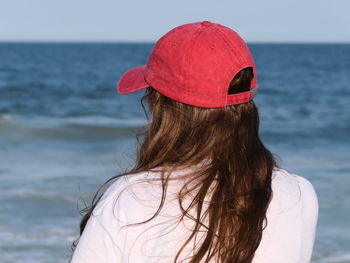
(188, 61)
(218, 37)
(228, 42)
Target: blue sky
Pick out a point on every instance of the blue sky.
(128, 20)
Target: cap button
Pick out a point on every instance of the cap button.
(206, 23)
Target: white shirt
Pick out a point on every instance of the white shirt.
(288, 238)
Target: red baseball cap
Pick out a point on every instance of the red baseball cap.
(194, 64)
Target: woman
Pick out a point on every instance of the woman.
(204, 187)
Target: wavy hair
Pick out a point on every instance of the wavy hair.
(179, 136)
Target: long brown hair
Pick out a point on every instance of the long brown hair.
(181, 136)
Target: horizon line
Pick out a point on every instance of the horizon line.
(152, 42)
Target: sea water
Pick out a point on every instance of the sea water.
(64, 130)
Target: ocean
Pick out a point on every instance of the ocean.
(64, 130)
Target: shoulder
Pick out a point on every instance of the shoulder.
(292, 190)
(128, 194)
(292, 213)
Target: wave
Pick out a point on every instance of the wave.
(340, 258)
(81, 128)
(38, 194)
(80, 132)
(5, 118)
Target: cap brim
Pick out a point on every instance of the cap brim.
(132, 80)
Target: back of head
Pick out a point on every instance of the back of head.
(180, 134)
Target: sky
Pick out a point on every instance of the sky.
(147, 20)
